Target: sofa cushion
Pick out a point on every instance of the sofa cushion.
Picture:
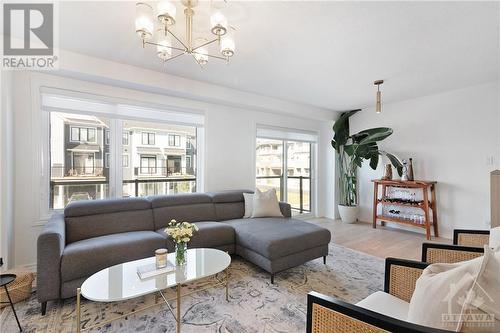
(86, 257)
(386, 304)
(92, 207)
(188, 212)
(179, 199)
(210, 234)
(88, 226)
(228, 196)
(278, 237)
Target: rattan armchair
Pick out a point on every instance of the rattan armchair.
(474, 238)
(467, 245)
(327, 314)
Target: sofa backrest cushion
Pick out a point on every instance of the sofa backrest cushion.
(229, 204)
(191, 207)
(87, 219)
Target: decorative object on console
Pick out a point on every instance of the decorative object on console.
(181, 233)
(166, 17)
(410, 170)
(266, 204)
(352, 150)
(404, 177)
(387, 172)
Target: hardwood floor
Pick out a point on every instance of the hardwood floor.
(382, 242)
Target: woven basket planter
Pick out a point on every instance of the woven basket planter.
(19, 289)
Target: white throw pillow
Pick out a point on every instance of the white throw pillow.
(265, 204)
(446, 293)
(248, 205)
(494, 237)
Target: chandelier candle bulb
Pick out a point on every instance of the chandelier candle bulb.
(227, 46)
(201, 56)
(166, 12)
(164, 47)
(218, 22)
(144, 20)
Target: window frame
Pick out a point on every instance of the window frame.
(148, 157)
(148, 135)
(127, 140)
(176, 140)
(126, 165)
(79, 128)
(114, 103)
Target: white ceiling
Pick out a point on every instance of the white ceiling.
(323, 53)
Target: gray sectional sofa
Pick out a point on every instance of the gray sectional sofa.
(92, 235)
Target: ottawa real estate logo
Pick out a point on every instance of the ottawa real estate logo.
(29, 36)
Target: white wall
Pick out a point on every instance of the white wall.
(6, 169)
(231, 120)
(451, 137)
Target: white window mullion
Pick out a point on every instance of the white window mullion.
(116, 165)
(285, 171)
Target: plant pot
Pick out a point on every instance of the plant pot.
(348, 214)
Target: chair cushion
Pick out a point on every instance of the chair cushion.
(386, 304)
(278, 237)
(210, 234)
(86, 257)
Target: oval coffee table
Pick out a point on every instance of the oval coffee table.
(121, 282)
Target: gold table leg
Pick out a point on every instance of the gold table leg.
(227, 285)
(78, 324)
(178, 319)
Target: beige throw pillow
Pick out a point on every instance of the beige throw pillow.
(446, 295)
(248, 205)
(265, 204)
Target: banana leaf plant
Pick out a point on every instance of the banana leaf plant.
(352, 150)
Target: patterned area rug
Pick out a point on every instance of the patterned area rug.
(255, 305)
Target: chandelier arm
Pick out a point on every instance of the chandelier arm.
(209, 55)
(205, 44)
(180, 41)
(166, 46)
(175, 56)
(201, 66)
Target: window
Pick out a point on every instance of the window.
(188, 162)
(125, 160)
(83, 134)
(189, 144)
(294, 186)
(174, 140)
(76, 170)
(80, 151)
(106, 160)
(148, 138)
(125, 139)
(148, 165)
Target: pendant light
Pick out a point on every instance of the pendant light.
(378, 105)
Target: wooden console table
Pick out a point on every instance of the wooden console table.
(426, 205)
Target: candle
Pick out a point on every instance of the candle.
(161, 258)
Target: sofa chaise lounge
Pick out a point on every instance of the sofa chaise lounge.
(92, 235)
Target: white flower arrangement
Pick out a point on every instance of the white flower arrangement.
(181, 232)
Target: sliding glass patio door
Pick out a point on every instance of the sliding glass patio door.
(273, 157)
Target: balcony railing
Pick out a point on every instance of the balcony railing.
(78, 184)
(301, 208)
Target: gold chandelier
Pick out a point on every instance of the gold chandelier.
(165, 17)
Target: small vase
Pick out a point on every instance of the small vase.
(180, 254)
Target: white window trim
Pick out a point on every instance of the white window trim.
(107, 160)
(139, 109)
(128, 138)
(141, 156)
